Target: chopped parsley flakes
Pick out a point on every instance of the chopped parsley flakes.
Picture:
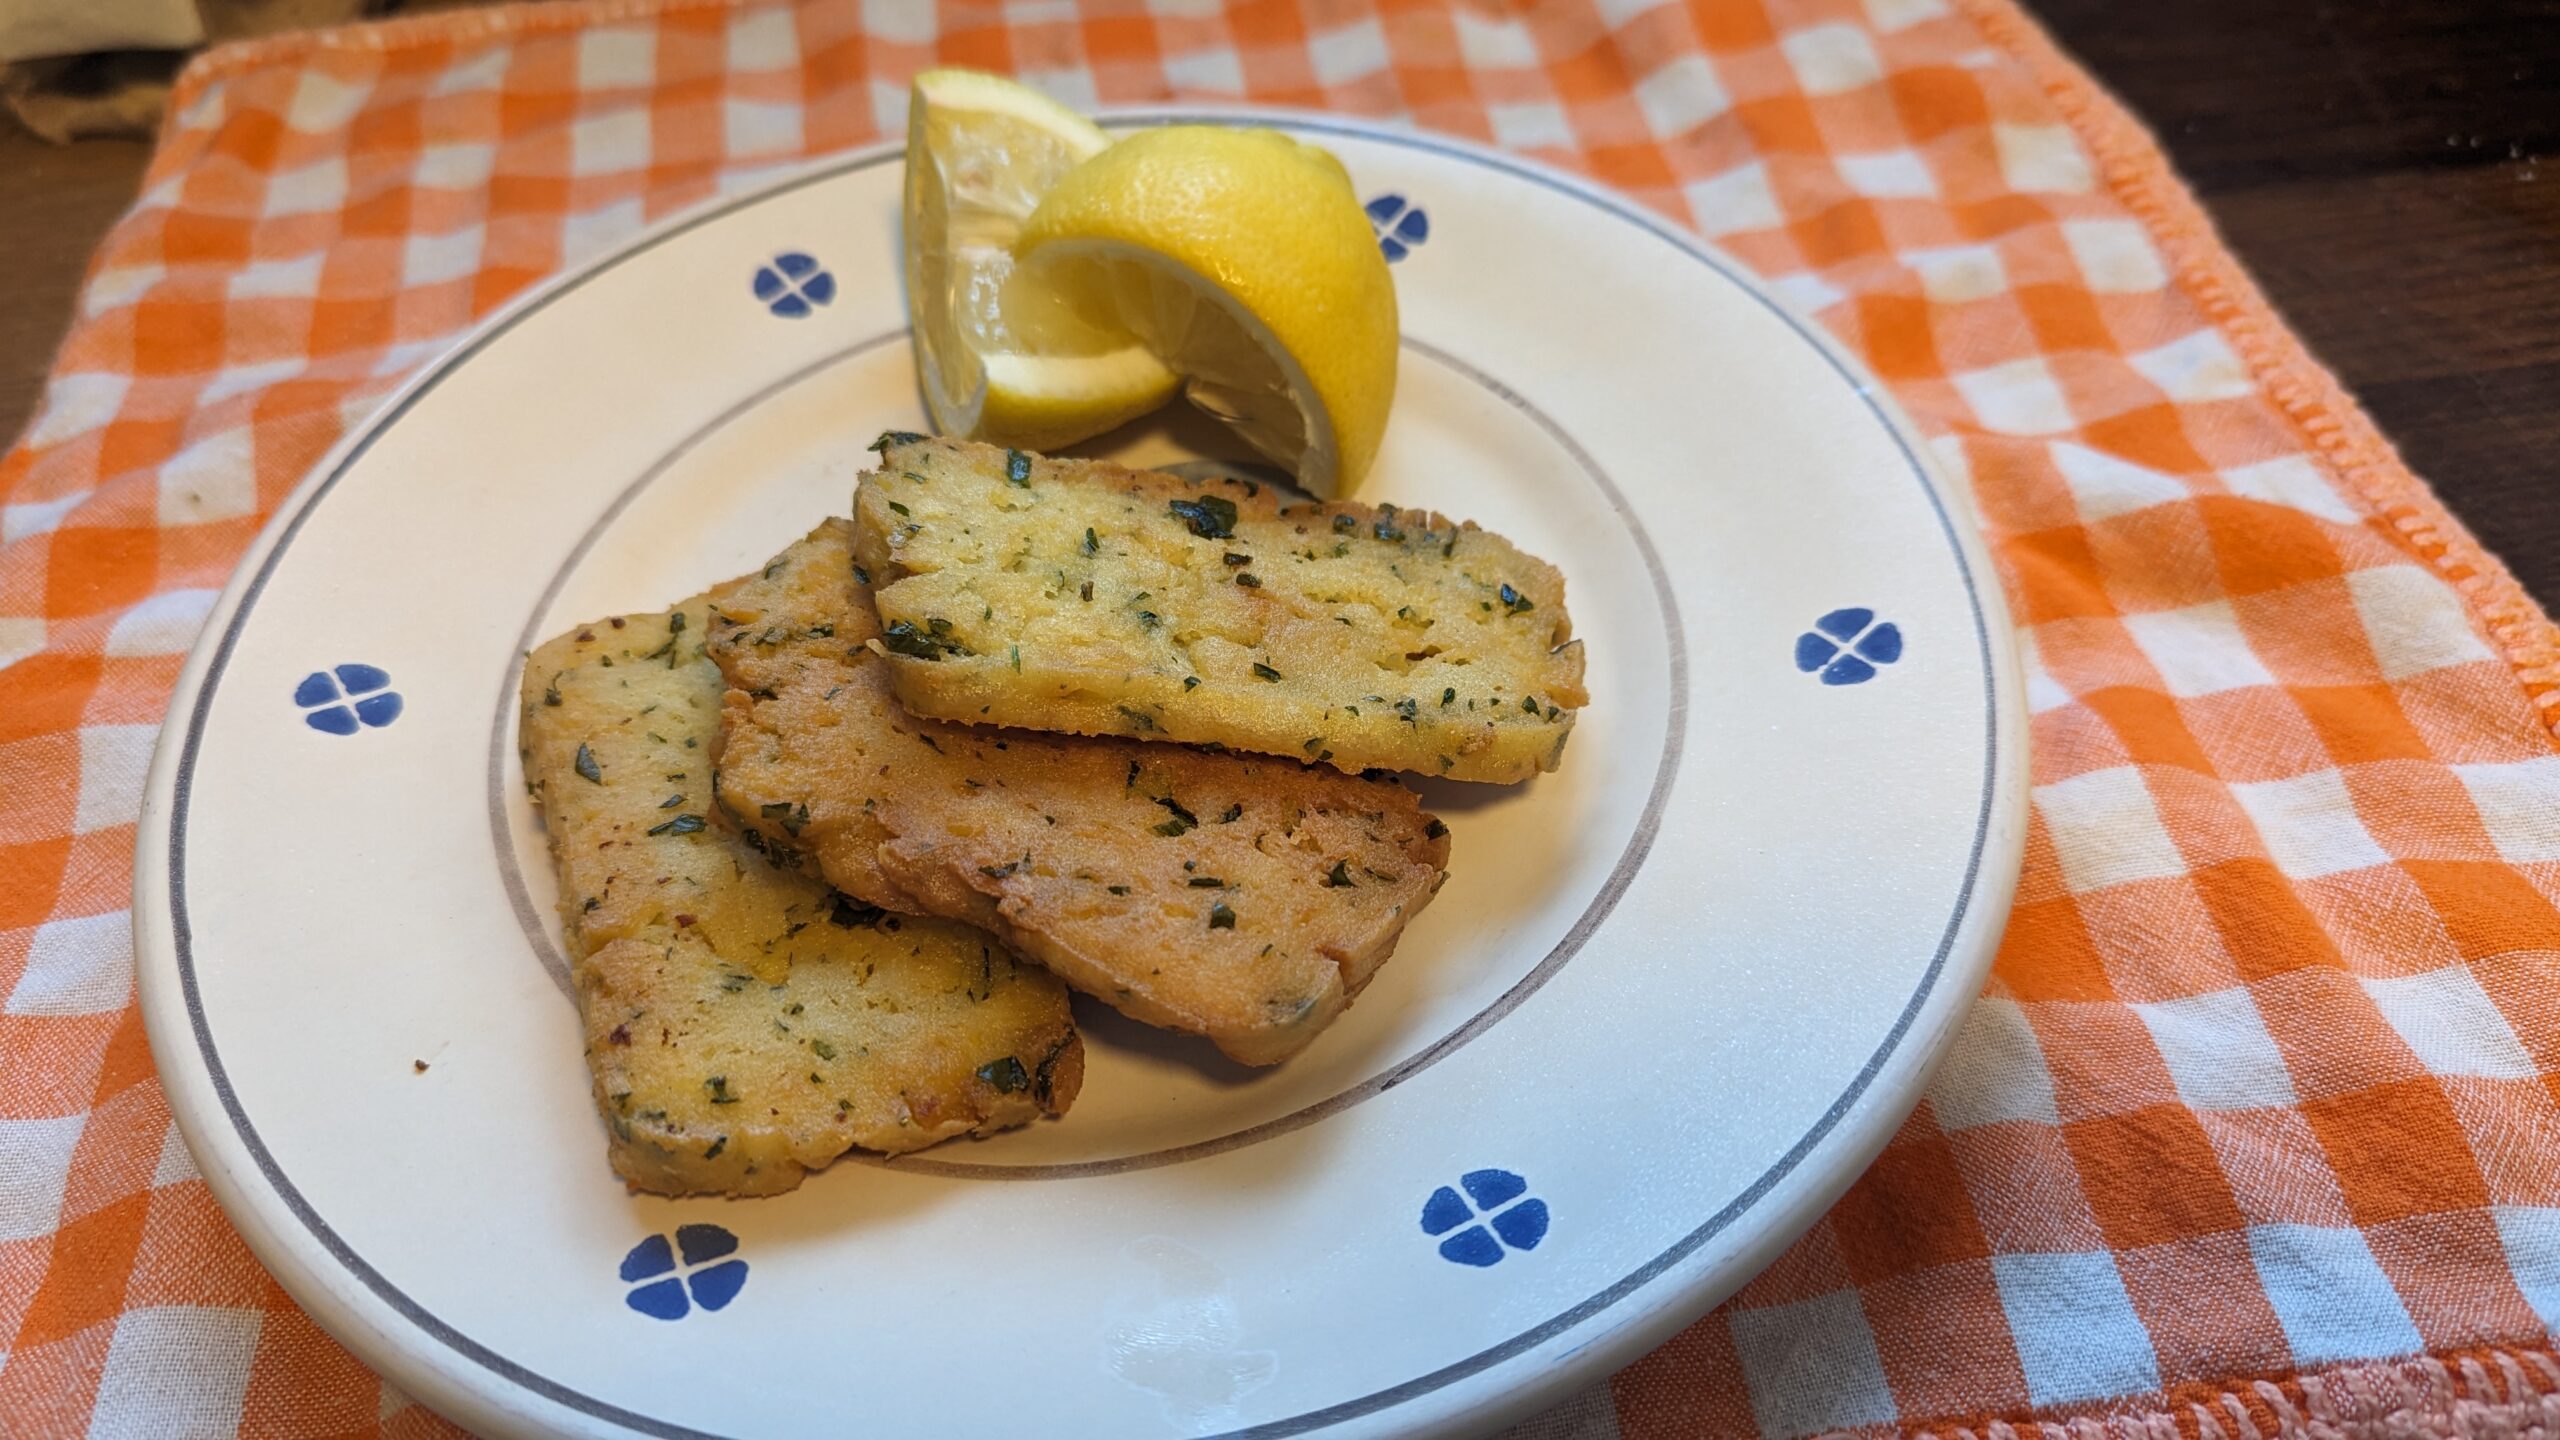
(1211, 517)
(1182, 820)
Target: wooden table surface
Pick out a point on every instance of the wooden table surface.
(2390, 169)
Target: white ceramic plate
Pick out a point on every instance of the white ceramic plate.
(1671, 1001)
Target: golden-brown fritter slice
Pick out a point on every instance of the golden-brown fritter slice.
(1239, 898)
(745, 1024)
(1082, 597)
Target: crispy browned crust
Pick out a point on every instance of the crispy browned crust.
(1240, 898)
(744, 1024)
(1076, 596)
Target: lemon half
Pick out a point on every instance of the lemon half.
(998, 359)
(1243, 260)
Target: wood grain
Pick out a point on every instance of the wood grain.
(2390, 171)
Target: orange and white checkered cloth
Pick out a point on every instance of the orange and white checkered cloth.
(2258, 1126)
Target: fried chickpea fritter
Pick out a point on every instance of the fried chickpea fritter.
(744, 1024)
(1240, 898)
(1086, 598)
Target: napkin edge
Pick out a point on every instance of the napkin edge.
(2333, 425)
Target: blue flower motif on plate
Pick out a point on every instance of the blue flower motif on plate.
(1401, 227)
(792, 285)
(347, 698)
(696, 1271)
(1848, 646)
(1486, 1222)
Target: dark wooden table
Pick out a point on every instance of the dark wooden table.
(2389, 168)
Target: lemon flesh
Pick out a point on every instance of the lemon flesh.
(1243, 260)
(999, 359)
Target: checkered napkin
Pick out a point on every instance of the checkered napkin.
(2258, 1126)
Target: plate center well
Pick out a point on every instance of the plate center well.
(1533, 868)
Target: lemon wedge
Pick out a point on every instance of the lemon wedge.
(1000, 360)
(1243, 260)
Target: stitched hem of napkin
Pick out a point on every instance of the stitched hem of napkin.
(2137, 172)
(212, 66)
(525, 17)
(2459, 1393)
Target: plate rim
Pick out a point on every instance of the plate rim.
(338, 1298)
